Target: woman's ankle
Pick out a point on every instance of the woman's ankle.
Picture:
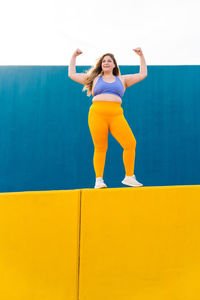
(99, 178)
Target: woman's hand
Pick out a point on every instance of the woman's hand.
(77, 52)
(138, 51)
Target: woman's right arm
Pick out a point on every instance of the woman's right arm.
(79, 77)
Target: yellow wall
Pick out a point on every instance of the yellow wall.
(135, 243)
(39, 245)
(141, 244)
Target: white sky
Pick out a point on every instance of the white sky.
(47, 32)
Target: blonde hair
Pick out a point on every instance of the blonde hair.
(96, 70)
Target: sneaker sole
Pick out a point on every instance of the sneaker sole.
(129, 184)
(100, 187)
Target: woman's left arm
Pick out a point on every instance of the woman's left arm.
(131, 79)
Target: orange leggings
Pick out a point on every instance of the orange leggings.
(105, 116)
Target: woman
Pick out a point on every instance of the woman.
(107, 86)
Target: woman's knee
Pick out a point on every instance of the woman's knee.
(101, 147)
(131, 143)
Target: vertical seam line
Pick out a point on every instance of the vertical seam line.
(79, 246)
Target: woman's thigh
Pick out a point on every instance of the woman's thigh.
(122, 132)
(98, 129)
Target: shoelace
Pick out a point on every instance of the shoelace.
(99, 180)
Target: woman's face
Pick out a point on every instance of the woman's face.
(107, 64)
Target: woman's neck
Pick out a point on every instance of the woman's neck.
(110, 74)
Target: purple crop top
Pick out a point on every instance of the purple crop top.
(103, 87)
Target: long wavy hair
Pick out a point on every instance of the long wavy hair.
(96, 70)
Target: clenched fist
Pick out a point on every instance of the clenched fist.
(138, 51)
(77, 52)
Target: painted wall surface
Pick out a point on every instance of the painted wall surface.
(140, 243)
(39, 233)
(110, 244)
(46, 142)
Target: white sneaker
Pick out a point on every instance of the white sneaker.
(100, 183)
(131, 181)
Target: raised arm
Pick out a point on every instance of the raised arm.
(131, 79)
(79, 77)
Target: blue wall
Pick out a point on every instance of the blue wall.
(46, 142)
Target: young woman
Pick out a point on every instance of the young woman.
(107, 86)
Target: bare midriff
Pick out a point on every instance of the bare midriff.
(107, 97)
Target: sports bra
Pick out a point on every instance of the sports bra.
(103, 87)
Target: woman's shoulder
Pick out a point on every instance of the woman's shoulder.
(121, 77)
(96, 78)
(99, 75)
